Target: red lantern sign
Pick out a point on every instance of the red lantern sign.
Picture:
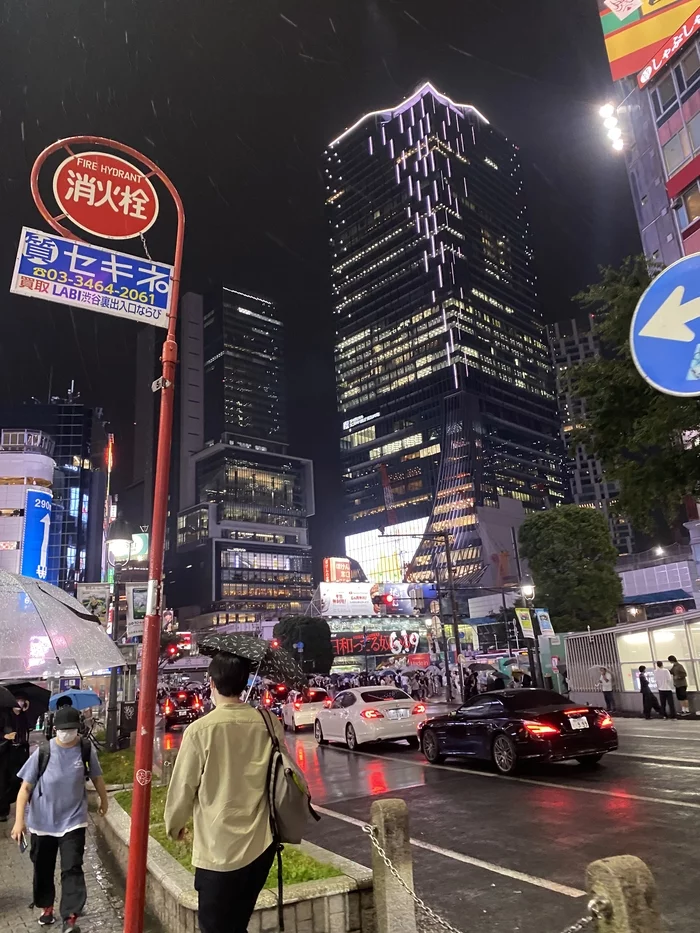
(105, 195)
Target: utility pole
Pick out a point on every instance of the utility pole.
(453, 605)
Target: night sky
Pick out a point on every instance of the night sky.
(236, 100)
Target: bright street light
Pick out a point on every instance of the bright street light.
(119, 537)
(607, 110)
(610, 122)
(527, 588)
(618, 144)
(658, 550)
(615, 133)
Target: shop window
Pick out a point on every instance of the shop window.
(694, 130)
(664, 95)
(676, 151)
(634, 647)
(690, 66)
(694, 631)
(670, 639)
(630, 675)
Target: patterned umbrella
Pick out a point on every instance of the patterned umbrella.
(267, 661)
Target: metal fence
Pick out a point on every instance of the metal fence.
(585, 653)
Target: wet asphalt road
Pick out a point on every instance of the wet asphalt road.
(509, 854)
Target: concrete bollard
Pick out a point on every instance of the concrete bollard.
(625, 882)
(395, 909)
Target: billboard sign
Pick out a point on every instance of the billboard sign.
(395, 643)
(346, 599)
(37, 527)
(136, 595)
(525, 620)
(95, 598)
(81, 275)
(635, 29)
(336, 570)
(545, 623)
(105, 195)
(668, 49)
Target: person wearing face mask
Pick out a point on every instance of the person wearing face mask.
(220, 777)
(53, 787)
(14, 752)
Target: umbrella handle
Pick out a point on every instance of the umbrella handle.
(255, 677)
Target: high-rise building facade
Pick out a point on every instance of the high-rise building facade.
(654, 57)
(76, 543)
(573, 342)
(444, 381)
(239, 552)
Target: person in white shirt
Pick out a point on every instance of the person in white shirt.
(606, 685)
(664, 683)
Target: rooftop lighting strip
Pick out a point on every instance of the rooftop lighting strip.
(393, 111)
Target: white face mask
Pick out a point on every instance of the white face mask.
(66, 736)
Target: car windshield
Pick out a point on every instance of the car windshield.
(378, 696)
(531, 699)
(314, 696)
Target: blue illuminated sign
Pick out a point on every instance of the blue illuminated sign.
(85, 276)
(37, 528)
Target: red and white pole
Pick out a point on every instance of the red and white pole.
(138, 842)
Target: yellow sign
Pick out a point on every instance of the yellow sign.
(634, 30)
(525, 620)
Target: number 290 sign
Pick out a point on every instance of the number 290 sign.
(105, 195)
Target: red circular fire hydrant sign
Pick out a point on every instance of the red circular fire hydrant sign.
(105, 195)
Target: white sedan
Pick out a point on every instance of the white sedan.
(301, 708)
(369, 714)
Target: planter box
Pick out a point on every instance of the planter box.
(335, 905)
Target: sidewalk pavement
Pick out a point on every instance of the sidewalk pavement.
(104, 911)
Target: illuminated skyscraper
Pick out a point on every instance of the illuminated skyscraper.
(443, 373)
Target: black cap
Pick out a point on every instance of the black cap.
(67, 717)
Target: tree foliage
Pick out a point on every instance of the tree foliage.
(636, 430)
(316, 637)
(572, 561)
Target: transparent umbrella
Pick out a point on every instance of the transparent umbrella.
(44, 632)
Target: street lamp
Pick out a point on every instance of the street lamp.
(527, 587)
(119, 538)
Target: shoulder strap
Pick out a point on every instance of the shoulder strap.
(85, 753)
(44, 755)
(266, 715)
(267, 719)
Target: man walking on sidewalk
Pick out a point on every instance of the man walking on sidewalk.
(664, 683)
(53, 784)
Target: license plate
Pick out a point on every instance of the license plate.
(398, 713)
(578, 722)
(182, 712)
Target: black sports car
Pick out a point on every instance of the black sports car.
(508, 726)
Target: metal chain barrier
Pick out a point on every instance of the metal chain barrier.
(596, 908)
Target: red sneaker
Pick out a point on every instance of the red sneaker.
(47, 917)
(71, 924)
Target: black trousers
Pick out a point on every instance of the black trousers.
(43, 852)
(649, 703)
(227, 898)
(666, 697)
(609, 700)
(12, 759)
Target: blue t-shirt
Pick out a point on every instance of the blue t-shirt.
(62, 805)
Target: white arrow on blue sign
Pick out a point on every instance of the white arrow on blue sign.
(665, 332)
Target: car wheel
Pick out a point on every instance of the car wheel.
(351, 738)
(295, 727)
(504, 754)
(318, 734)
(431, 747)
(413, 742)
(590, 761)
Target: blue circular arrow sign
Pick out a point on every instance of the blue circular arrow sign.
(665, 332)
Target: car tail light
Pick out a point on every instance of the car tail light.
(577, 712)
(605, 721)
(371, 714)
(419, 709)
(182, 696)
(267, 701)
(168, 707)
(541, 730)
(327, 702)
(297, 704)
(280, 688)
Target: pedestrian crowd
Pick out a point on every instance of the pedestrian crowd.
(671, 684)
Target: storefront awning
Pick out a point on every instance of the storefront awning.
(667, 596)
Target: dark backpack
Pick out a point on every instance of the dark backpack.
(45, 754)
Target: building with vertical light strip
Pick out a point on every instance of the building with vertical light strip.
(444, 380)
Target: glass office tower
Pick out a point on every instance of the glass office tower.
(444, 378)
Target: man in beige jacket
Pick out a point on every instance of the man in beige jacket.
(220, 776)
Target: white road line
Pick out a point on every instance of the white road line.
(652, 756)
(658, 737)
(553, 886)
(682, 804)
